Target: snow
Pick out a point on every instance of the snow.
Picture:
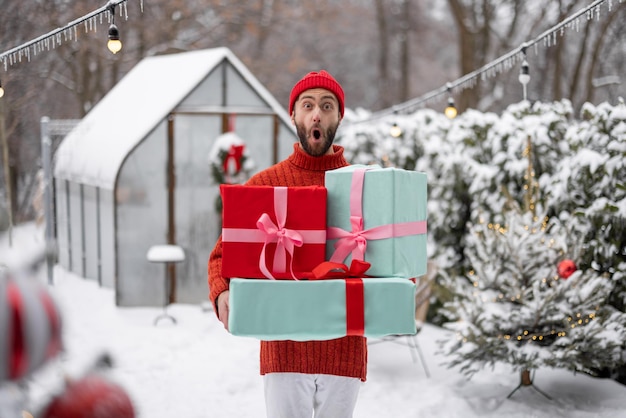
(196, 369)
(589, 158)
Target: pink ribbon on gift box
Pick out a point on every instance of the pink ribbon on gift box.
(355, 241)
(267, 232)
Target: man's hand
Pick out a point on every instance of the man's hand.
(223, 308)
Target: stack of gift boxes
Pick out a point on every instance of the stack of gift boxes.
(317, 263)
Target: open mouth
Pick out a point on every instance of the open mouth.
(316, 133)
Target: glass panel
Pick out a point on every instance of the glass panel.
(141, 196)
(209, 92)
(76, 229)
(91, 233)
(286, 139)
(107, 243)
(197, 222)
(62, 235)
(258, 134)
(240, 93)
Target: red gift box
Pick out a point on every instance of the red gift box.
(272, 232)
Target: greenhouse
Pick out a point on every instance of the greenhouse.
(135, 172)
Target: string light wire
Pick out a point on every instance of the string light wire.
(495, 67)
(57, 36)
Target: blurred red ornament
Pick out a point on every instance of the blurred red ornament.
(566, 268)
(30, 326)
(91, 397)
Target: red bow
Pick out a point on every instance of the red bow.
(332, 270)
(235, 153)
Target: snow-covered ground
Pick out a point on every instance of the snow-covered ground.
(196, 369)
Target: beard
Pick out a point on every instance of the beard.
(316, 150)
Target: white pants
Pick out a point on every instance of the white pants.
(298, 395)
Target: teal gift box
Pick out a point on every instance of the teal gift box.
(305, 310)
(377, 215)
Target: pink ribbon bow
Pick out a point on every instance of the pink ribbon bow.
(286, 239)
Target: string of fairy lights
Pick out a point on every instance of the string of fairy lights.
(496, 67)
(69, 32)
(578, 319)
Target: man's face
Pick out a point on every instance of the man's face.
(316, 116)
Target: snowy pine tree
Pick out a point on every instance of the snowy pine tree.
(514, 308)
(589, 186)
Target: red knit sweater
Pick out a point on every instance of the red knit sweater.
(345, 356)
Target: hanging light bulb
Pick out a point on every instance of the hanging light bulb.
(524, 73)
(114, 44)
(450, 111)
(524, 76)
(395, 130)
(1, 89)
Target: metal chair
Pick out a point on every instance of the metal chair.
(166, 254)
(422, 303)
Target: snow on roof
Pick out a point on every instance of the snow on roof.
(94, 151)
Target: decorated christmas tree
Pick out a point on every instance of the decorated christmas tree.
(525, 303)
(515, 308)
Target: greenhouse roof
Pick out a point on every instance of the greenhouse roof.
(93, 152)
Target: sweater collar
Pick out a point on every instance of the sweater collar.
(323, 163)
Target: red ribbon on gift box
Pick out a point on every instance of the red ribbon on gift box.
(355, 292)
(355, 307)
(355, 241)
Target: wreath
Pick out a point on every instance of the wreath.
(230, 162)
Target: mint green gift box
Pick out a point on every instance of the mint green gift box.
(305, 310)
(389, 196)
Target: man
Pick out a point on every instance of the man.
(302, 378)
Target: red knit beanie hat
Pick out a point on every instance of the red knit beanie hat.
(317, 80)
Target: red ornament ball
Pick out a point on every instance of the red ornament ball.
(30, 327)
(566, 268)
(91, 397)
